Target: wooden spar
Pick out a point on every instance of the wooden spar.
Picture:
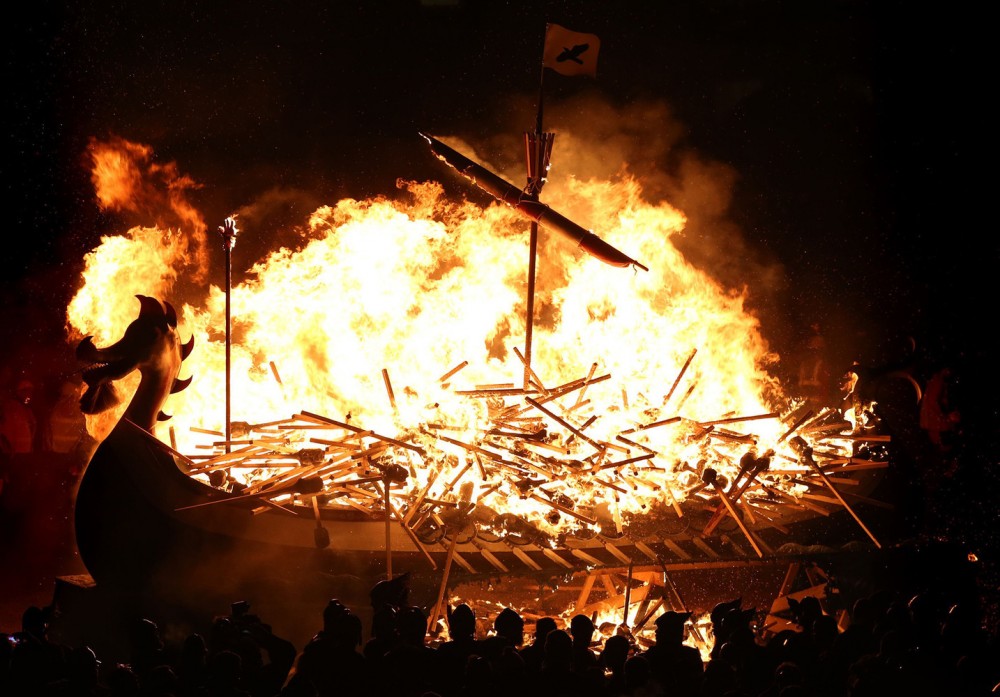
(316, 418)
(579, 384)
(586, 383)
(801, 420)
(413, 536)
(628, 461)
(634, 444)
(454, 370)
(806, 454)
(343, 443)
(758, 466)
(628, 594)
(432, 620)
(494, 392)
(679, 376)
(470, 447)
(479, 464)
(736, 419)
(584, 427)
(732, 511)
(160, 444)
(608, 484)
(565, 424)
(686, 395)
(389, 392)
(300, 485)
(387, 505)
(227, 459)
(563, 509)
(858, 437)
(206, 431)
(529, 373)
(453, 482)
(662, 422)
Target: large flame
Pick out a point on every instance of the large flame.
(392, 307)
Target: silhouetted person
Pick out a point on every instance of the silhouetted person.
(720, 626)
(82, 677)
(581, 629)
(616, 652)
(453, 655)
(123, 682)
(192, 668)
(673, 663)
(477, 679)
(939, 415)
(535, 651)
(64, 431)
(146, 648)
(509, 632)
(267, 658)
(225, 675)
(331, 659)
(394, 592)
(639, 681)
(18, 421)
(410, 668)
(35, 658)
(384, 635)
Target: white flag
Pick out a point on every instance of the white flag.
(569, 52)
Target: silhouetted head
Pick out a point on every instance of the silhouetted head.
(615, 653)
(637, 672)
(341, 625)
(510, 625)
(670, 627)
(543, 626)
(412, 624)
(461, 621)
(394, 592)
(558, 653)
(581, 628)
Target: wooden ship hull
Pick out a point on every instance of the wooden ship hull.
(143, 522)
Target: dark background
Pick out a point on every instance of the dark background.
(857, 132)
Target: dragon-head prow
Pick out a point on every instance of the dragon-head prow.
(151, 345)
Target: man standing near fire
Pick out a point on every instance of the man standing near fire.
(814, 368)
(18, 423)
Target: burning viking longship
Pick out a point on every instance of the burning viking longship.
(353, 502)
(572, 470)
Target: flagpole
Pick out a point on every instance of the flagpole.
(228, 231)
(534, 187)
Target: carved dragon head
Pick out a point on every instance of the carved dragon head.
(151, 345)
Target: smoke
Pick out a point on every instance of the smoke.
(645, 141)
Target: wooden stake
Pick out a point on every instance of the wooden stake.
(432, 620)
(679, 376)
(388, 389)
(586, 383)
(807, 456)
(454, 370)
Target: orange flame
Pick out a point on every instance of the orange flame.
(402, 290)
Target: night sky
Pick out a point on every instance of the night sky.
(851, 135)
(850, 132)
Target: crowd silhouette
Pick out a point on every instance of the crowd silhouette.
(928, 644)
